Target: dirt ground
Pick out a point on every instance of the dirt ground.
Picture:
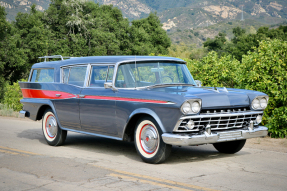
(267, 143)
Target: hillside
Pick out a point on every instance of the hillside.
(184, 18)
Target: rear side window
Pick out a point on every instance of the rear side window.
(43, 75)
(75, 75)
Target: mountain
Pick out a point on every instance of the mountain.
(191, 21)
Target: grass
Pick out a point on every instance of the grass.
(7, 111)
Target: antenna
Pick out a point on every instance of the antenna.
(242, 19)
(135, 71)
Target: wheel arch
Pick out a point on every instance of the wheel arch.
(128, 133)
(42, 110)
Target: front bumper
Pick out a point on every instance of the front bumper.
(188, 140)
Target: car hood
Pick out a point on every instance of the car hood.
(211, 97)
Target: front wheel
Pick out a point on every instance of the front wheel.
(230, 147)
(148, 141)
(54, 135)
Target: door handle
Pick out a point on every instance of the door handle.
(81, 96)
(58, 95)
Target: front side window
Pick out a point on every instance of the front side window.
(143, 74)
(74, 75)
(43, 75)
(100, 75)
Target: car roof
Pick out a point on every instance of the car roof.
(102, 60)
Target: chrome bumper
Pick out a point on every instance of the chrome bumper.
(186, 140)
(22, 114)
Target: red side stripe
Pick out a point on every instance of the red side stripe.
(45, 94)
(49, 94)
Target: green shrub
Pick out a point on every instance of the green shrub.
(214, 71)
(12, 96)
(265, 70)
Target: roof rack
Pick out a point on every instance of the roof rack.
(55, 56)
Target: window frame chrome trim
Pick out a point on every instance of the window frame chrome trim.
(70, 66)
(138, 60)
(90, 72)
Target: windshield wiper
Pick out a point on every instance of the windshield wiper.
(166, 85)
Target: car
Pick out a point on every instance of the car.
(150, 100)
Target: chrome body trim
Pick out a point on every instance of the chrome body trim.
(139, 60)
(95, 134)
(191, 102)
(22, 114)
(222, 114)
(259, 98)
(214, 137)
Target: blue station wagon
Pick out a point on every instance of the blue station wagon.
(152, 101)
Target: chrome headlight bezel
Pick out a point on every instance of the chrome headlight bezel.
(193, 108)
(259, 103)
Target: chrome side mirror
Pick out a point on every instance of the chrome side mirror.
(108, 85)
(198, 83)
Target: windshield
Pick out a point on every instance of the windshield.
(143, 74)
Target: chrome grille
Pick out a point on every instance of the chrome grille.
(218, 121)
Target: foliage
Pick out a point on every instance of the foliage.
(214, 71)
(243, 42)
(12, 96)
(148, 37)
(265, 70)
(216, 44)
(184, 51)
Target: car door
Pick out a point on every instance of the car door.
(73, 79)
(97, 104)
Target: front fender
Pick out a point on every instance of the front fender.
(148, 112)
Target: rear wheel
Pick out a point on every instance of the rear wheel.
(54, 135)
(148, 141)
(230, 147)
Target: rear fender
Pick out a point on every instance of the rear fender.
(33, 106)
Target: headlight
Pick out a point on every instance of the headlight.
(192, 106)
(186, 108)
(195, 107)
(259, 103)
(256, 103)
(263, 103)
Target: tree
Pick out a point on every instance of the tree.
(74, 28)
(147, 36)
(217, 44)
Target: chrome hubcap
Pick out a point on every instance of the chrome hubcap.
(51, 126)
(149, 139)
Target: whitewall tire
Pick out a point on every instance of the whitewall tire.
(148, 141)
(54, 135)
